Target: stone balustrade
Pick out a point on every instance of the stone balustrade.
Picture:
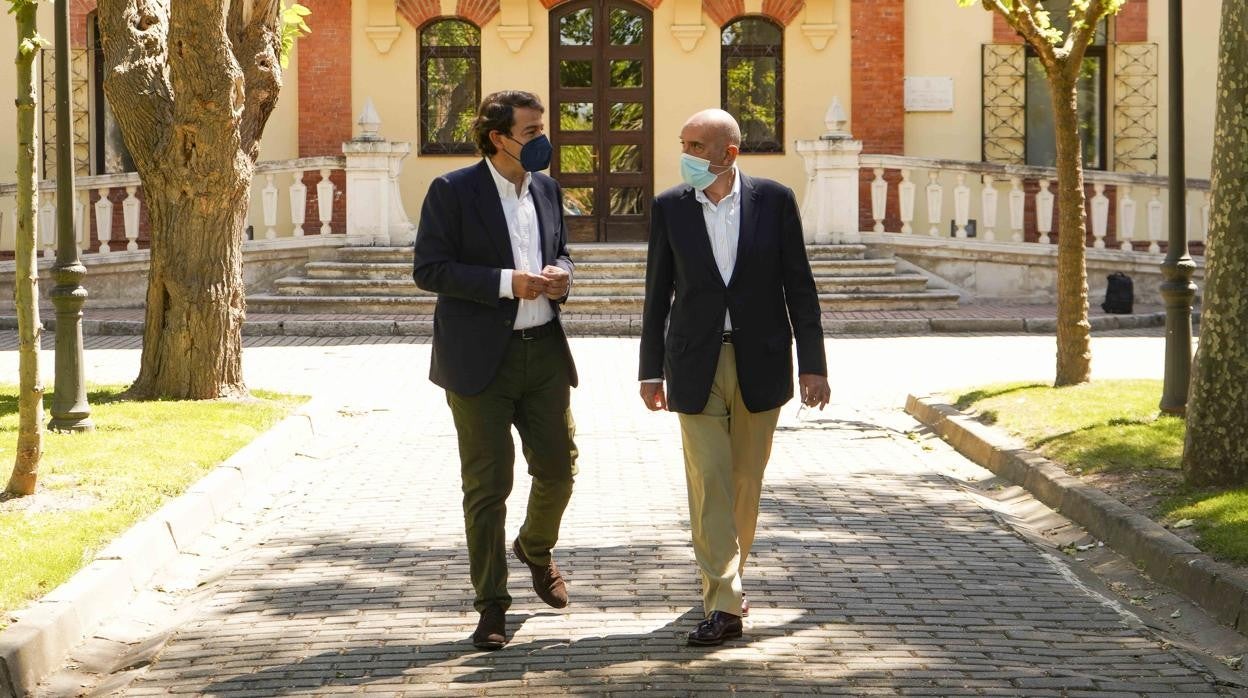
(989, 202)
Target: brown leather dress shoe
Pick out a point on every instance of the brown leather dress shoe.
(547, 581)
(714, 630)
(491, 633)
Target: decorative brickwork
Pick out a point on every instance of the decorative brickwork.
(1002, 32)
(878, 48)
(1131, 24)
(325, 80)
(477, 11)
(417, 12)
(78, 11)
(722, 12)
(783, 11)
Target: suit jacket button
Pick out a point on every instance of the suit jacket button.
(506, 323)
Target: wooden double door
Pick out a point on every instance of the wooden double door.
(602, 94)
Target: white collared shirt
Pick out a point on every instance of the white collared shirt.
(526, 247)
(723, 225)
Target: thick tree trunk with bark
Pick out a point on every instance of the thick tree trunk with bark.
(1074, 337)
(1216, 449)
(192, 83)
(26, 282)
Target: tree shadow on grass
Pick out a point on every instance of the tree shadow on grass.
(965, 400)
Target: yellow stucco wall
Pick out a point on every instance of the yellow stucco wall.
(941, 40)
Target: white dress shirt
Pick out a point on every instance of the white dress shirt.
(723, 225)
(526, 247)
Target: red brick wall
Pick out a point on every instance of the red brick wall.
(877, 48)
(78, 11)
(1131, 24)
(1002, 32)
(325, 118)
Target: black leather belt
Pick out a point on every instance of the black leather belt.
(725, 338)
(535, 332)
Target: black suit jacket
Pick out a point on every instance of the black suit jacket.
(462, 246)
(771, 297)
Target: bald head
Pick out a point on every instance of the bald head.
(717, 127)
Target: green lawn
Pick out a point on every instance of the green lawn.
(1115, 426)
(95, 485)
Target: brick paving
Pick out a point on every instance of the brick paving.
(871, 574)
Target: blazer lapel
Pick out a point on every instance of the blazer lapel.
(490, 209)
(749, 223)
(544, 204)
(695, 223)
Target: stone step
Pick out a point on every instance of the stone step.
(609, 305)
(608, 286)
(633, 252)
(584, 270)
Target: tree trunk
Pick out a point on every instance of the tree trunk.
(1216, 447)
(192, 84)
(26, 275)
(1074, 348)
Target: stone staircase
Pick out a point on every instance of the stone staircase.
(610, 280)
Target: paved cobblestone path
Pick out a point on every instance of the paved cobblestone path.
(871, 574)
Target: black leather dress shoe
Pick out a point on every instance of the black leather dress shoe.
(491, 633)
(714, 630)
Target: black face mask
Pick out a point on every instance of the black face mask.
(534, 155)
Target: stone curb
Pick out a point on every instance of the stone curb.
(1220, 589)
(630, 326)
(38, 642)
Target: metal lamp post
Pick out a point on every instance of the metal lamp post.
(70, 411)
(1178, 290)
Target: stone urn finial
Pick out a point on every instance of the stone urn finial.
(370, 122)
(834, 120)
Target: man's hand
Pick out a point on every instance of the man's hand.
(527, 286)
(557, 279)
(815, 390)
(652, 394)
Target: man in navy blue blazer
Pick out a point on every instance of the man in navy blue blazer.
(491, 243)
(728, 289)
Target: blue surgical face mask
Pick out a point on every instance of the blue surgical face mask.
(534, 155)
(696, 172)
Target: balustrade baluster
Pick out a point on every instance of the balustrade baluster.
(879, 199)
(1204, 216)
(298, 203)
(988, 203)
(905, 197)
(1044, 212)
(104, 220)
(130, 214)
(47, 224)
(268, 198)
(1100, 216)
(1126, 217)
(325, 202)
(935, 202)
(1156, 213)
(1018, 204)
(961, 205)
(82, 227)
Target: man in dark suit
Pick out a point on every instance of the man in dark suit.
(491, 243)
(728, 288)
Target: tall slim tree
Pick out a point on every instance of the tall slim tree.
(192, 84)
(26, 282)
(1062, 58)
(1216, 447)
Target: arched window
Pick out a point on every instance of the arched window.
(450, 86)
(752, 81)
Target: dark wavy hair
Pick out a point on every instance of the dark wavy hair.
(498, 113)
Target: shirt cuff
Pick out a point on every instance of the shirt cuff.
(504, 283)
(652, 380)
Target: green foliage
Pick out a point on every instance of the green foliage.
(293, 27)
(1054, 31)
(96, 485)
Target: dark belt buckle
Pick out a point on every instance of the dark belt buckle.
(725, 338)
(526, 334)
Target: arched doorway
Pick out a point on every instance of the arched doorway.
(601, 87)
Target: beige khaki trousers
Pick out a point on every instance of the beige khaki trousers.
(726, 451)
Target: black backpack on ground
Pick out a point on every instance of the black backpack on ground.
(1119, 294)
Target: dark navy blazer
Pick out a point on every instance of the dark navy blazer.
(771, 297)
(462, 246)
